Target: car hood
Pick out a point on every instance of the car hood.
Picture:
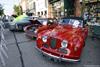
(61, 32)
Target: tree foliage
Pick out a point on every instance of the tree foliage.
(1, 10)
(17, 10)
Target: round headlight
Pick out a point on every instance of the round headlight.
(64, 44)
(44, 38)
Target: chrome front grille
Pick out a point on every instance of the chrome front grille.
(53, 43)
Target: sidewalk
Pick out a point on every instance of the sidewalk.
(13, 54)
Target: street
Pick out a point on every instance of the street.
(32, 58)
(60, 26)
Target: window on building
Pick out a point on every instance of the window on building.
(41, 12)
(45, 12)
(38, 13)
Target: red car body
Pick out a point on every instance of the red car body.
(29, 32)
(63, 42)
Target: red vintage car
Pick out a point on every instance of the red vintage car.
(32, 30)
(65, 41)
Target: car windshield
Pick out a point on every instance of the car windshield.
(73, 22)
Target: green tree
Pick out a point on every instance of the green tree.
(18, 10)
(1, 10)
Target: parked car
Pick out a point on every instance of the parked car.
(37, 24)
(96, 31)
(65, 41)
(20, 22)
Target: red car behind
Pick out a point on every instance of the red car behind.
(37, 26)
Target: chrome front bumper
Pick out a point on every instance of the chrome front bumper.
(57, 57)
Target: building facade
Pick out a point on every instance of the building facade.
(61, 8)
(56, 9)
(41, 8)
(35, 7)
(31, 7)
(23, 4)
(93, 9)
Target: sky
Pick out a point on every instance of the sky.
(8, 5)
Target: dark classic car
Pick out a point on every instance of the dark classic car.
(65, 41)
(37, 24)
(20, 22)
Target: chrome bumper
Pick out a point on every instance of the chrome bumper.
(57, 57)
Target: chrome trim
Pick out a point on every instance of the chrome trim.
(56, 57)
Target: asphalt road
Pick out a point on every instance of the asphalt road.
(32, 58)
